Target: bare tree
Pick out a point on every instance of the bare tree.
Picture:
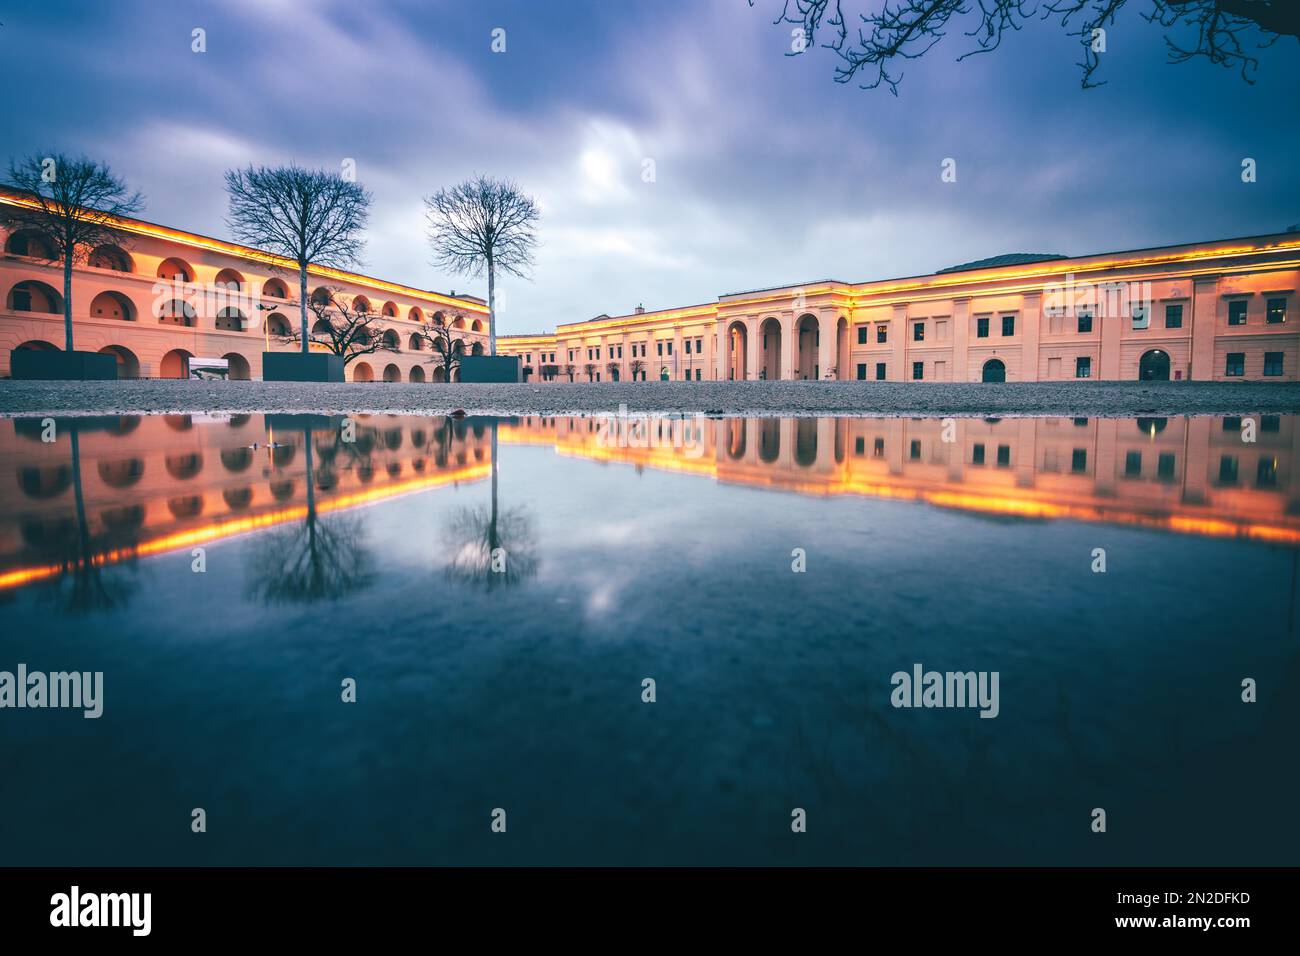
(307, 215)
(590, 369)
(344, 326)
(483, 225)
(446, 345)
(548, 371)
(611, 368)
(73, 204)
(1222, 31)
(636, 367)
(569, 369)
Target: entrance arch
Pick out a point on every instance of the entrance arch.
(392, 373)
(237, 370)
(807, 336)
(994, 371)
(362, 372)
(1154, 366)
(128, 366)
(842, 348)
(416, 374)
(737, 349)
(175, 364)
(39, 345)
(769, 345)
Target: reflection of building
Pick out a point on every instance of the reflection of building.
(1210, 310)
(167, 296)
(1193, 475)
(151, 485)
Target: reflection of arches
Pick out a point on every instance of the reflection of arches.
(994, 371)
(282, 490)
(237, 499)
(113, 258)
(807, 336)
(392, 373)
(238, 370)
(769, 344)
(805, 442)
(416, 374)
(736, 438)
(126, 518)
(236, 459)
(121, 474)
(45, 482)
(769, 439)
(186, 506)
(1154, 366)
(179, 423)
(33, 296)
(175, 364)
(362, 372)
(112, 305)
(128, 366)
(183, 467)
(1151, 427)
(737, 346)
(175, 269)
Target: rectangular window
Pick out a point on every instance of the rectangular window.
(914, 451)
(1004, 456)
(1270, 423)
(1272, 363)
(1165, 466)
(1228, 470)
(982, 328)
(1141, 316)
(1173, 316)
(1276, 311)
(670, 347)
(1085, 322)
(1236, 365)
(977, 454)
(918, 371)
(1079, 460)
(878, 448)
(1237, 312)
(1133, 465)
(688, 346)
(1266, 474)
(880, 371)
(659, 347)
(1008, 325)
(882, 334)
(859, 446)
(862, 335)
(862, 371)
(699, 375)
(1232, 423)
(918, 331)
(1083, 366)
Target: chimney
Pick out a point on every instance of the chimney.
(640, 310)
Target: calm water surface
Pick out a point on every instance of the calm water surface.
(661, 553)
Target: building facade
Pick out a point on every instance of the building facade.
(1205, 311)
(162, 298)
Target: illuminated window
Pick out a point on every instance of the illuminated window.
(1237, 312)
(1276, 311)
(882, 334)
(918, 331)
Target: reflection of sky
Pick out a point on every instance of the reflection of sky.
(767, 171)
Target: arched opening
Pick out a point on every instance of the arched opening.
(37, 345)
(33, 296)
(613, 373)
(415, 342)
(392, 373)
(664, 374)
(438, 318)
(176, 270)
(277, 324)
(458, 322)
(112, 305)
(807, 335)
(237, 499)
(322, 328)
(44, 482)
(175, 364)
(231, 320)
(185, 506)
(1154, 366)
(769, 338)
(994, 371)
(237, 367)
(805, 442)
(183, 467)
(362, 372)
(392, 340)
(769, 439)
(236, 459)
(30, 243)
(439, 374)
(842, 348)
(416, 374)
(176, 312)
(737, 347)
(360, 304)
(229, 280)
(122, 473)
(476, 326)
(389, 310)
(112, 258)
(322, 296)
(275, 289)
(128, 366)
(476, 349)
(416, 314)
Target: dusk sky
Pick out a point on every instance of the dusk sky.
(767, 171)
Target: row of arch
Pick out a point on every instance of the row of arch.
(806, 335)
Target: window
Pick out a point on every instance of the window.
(670, 347)
(620, 352)
(659, 347)
(1270, 423)
(1079, 460)
(1133, 465)
(862, 335)
(1237, 312)
(1276, 311)
(1008, 325)
(1083, 366)
(1081, 423)
(1141, 316)
(699, 374)
(880, 371)
(859, 446)
(977, 454)
(878, 448)
(1232, 423)
(918, 332)
(1272, 363)
(1266, 474)
(918, 371)
(1228, 470)
(1004, 456)
(1085, 322)
(882, 333)
(688, 346)
(982, 328)
(914, 451)
(1236, 364)
(1173, 316)
(862, 371)
(1165, 466)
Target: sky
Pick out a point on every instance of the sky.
(766, 171)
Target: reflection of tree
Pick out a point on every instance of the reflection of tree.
(83, 585)
(323, 558)
(474, 534)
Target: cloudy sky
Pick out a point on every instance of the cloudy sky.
(766, 171)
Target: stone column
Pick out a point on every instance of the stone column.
(826, 322)
(751, 347)
(898, 332)
(722, 351)
(1205, 321)
(961, 340)
(1031, 317)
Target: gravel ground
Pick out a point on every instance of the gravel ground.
(730, 398)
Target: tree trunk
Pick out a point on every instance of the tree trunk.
(302, 303)
(67, 301)
(492, 307)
